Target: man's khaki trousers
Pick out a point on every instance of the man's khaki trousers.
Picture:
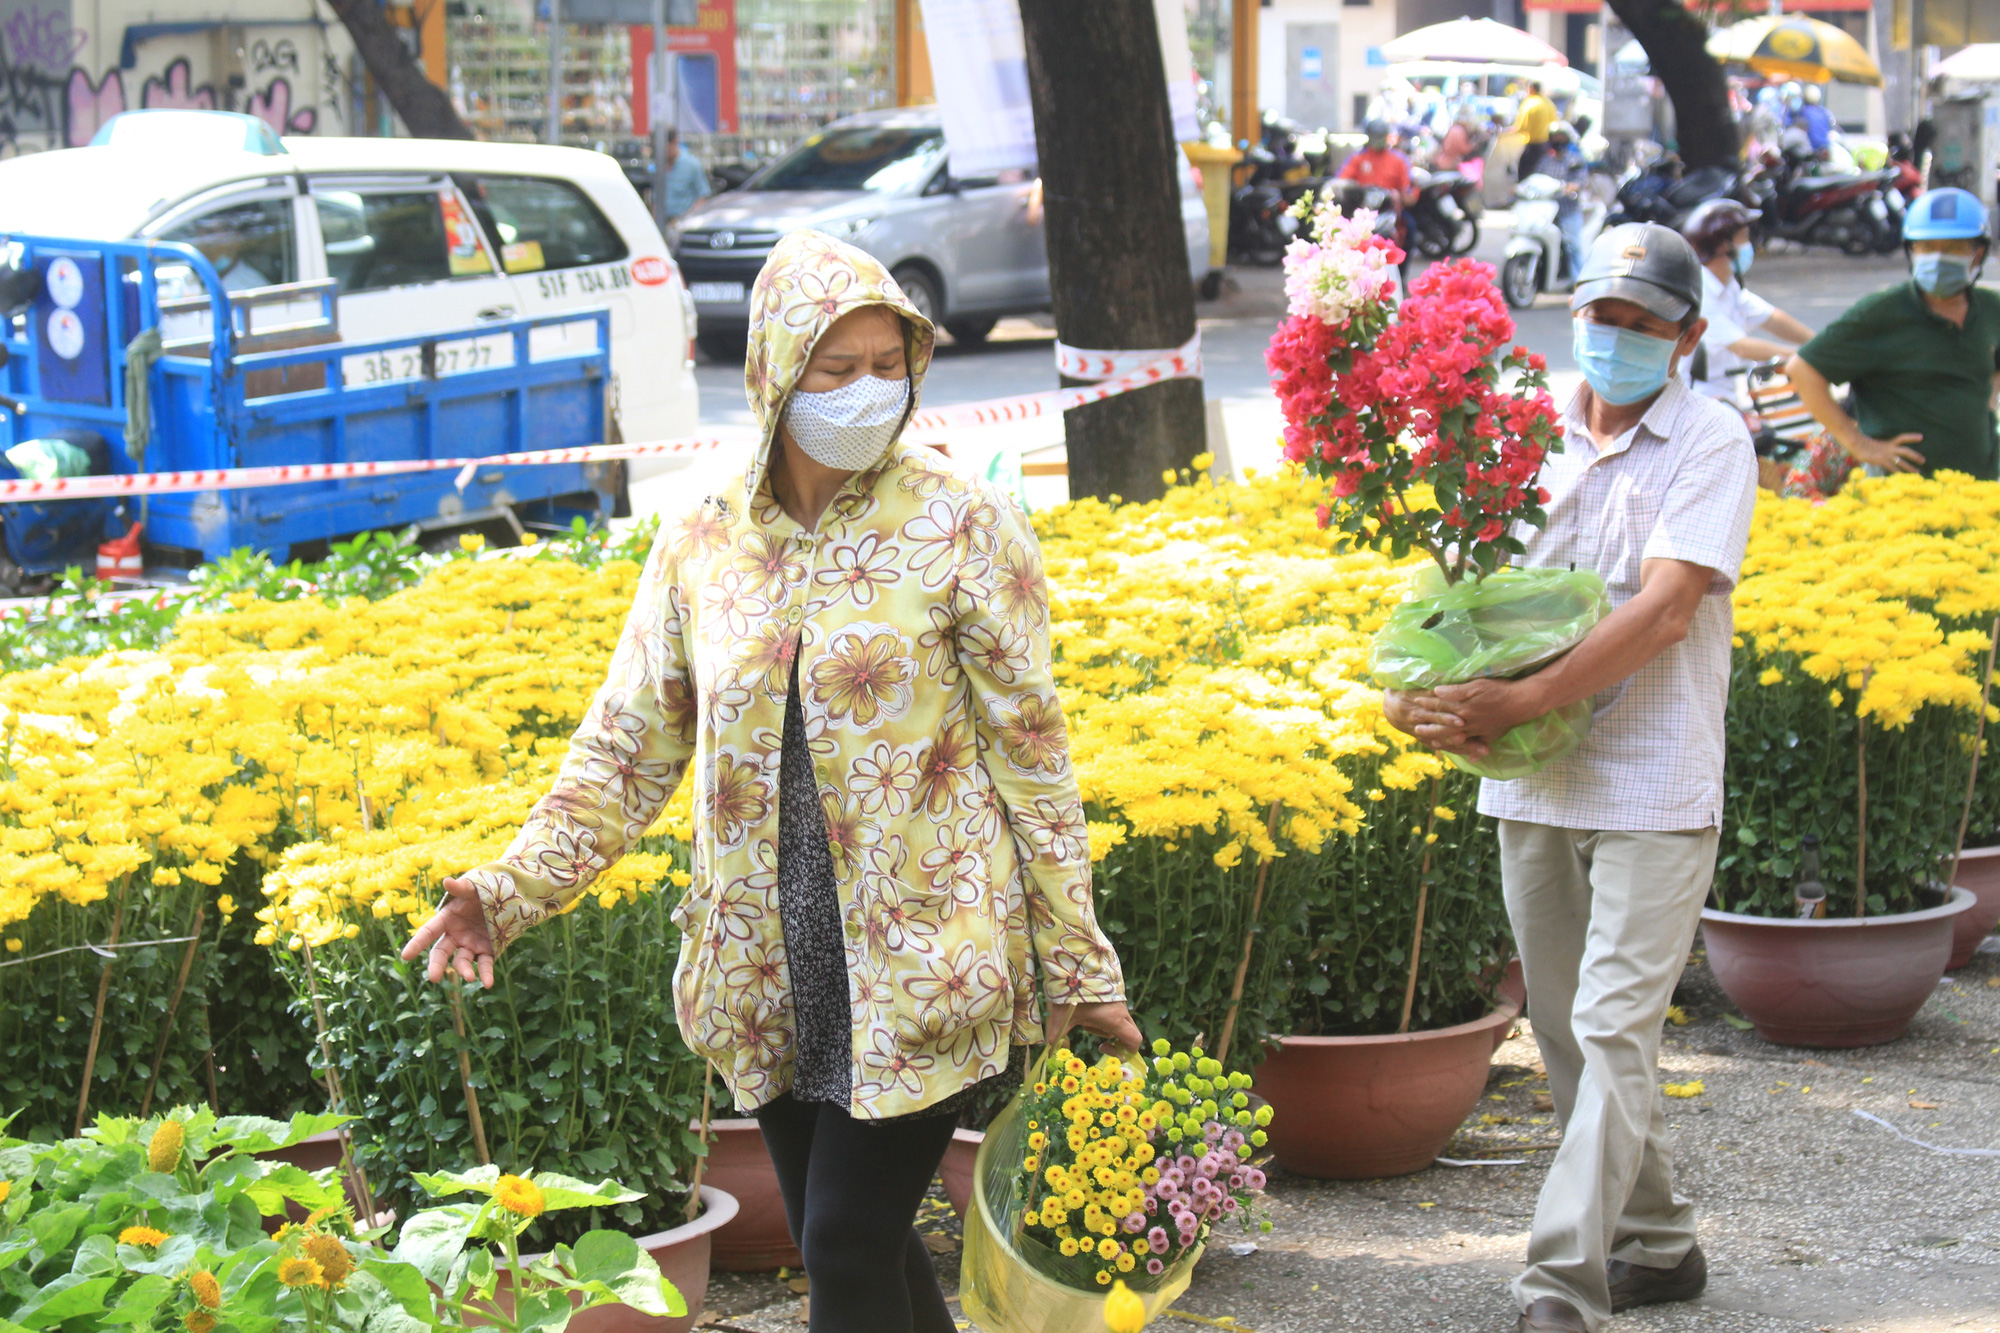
(1603, 921)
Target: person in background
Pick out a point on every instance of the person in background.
(1814, 119)
(685, 182)
(1719, 231)
(1607, 854)
(1537, 114)
(1462, 140)
(1564, 161)
(1921, 357)
(1380, 165)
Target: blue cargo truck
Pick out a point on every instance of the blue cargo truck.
(134, 356)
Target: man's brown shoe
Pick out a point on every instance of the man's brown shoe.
(1636, 1284)
(1550, 1315)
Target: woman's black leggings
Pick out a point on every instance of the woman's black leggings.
(851, 1192)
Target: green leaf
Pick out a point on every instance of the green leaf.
(1740, 1024)
(405, 1285)
(285, 1181)
(141, 1301)
(65, 1298)
(95, 1257)
(615, 1260)
(432, 1240)
(254, 1133)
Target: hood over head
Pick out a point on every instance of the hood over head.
(810, 281)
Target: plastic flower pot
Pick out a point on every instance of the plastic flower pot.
(1979, 875)
(683, 1256)
(1362, 1108)
(1834, 982)
(758, 1237)
(955, 1171)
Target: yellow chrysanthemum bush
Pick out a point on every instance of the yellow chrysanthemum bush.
(1212, 654)
(1866, 616)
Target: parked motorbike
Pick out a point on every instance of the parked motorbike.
(1666, 194)
(1260, 223)
(1535, 262)
(1857, 213)
(1442, 222)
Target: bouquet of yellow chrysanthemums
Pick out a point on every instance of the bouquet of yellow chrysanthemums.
(1129, 1166)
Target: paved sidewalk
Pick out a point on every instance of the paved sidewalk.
(1813, 1218)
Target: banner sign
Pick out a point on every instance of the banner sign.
(703, 86)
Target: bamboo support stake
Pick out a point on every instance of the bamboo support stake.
(1423, 902)
(1978, 744)
(1249, 939)
(103, 991)
(337, 1100)
(465, 1078)
(701, 1135)
(1861, 805)
(173, 1006)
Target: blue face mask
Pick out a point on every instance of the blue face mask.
(1621, 366)
(1746, 254)
(1941, 274)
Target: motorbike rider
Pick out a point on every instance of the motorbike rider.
(1810, 116)
(1738, 319)
(1380, 166)
(1564, 161)
(1533, 122)
(1463, 140)
(1921, 357)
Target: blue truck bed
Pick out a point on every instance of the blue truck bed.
(218, 402)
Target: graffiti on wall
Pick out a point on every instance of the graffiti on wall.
(49, 101)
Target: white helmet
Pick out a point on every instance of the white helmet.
(1813, 93)
(1792, 93)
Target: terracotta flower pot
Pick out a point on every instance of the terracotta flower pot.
(956, 1168)
(1834, 982)
(1361, 1108)
(1979, 875)
(313, 1154)
(683, 1256)
(758, 1237)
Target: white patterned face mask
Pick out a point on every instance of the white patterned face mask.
(848, 427)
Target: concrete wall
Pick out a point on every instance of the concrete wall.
(66, 66)
(1344, 64)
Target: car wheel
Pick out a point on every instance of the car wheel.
(970, 332)
(921, 290)
(1520, 281)
(723, 345)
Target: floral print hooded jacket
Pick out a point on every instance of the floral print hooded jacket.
(919, 617)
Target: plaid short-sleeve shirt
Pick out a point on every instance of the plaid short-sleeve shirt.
(1680, 485)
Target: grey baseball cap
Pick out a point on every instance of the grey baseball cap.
(1645, 263)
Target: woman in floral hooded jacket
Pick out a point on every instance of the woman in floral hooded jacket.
(849, 641)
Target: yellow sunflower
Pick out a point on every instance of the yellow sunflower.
(519, 1196)
(300, 1272)
(142, 1236)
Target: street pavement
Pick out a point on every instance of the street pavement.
(1816, 286)
(1814, 1220)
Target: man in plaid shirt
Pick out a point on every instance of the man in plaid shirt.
(1606, 855)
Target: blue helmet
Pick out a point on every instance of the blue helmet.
(1948, 214)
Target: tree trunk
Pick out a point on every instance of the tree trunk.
(1118, 266)
(1676, 43)
(425, 108)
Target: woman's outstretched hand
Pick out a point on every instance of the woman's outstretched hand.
(457, 938)
(1112, 1021)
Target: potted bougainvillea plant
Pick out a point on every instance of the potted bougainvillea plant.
(1429, 431)
(1430, 437)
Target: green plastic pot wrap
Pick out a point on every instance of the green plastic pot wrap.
(1509, 624)
(1009, 1283)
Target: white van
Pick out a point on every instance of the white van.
(420, 234)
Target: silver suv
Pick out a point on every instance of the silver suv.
(965, 251)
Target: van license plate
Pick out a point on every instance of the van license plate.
(716, 293)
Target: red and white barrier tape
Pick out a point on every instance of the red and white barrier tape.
(1183, 363)
(1082, 363)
